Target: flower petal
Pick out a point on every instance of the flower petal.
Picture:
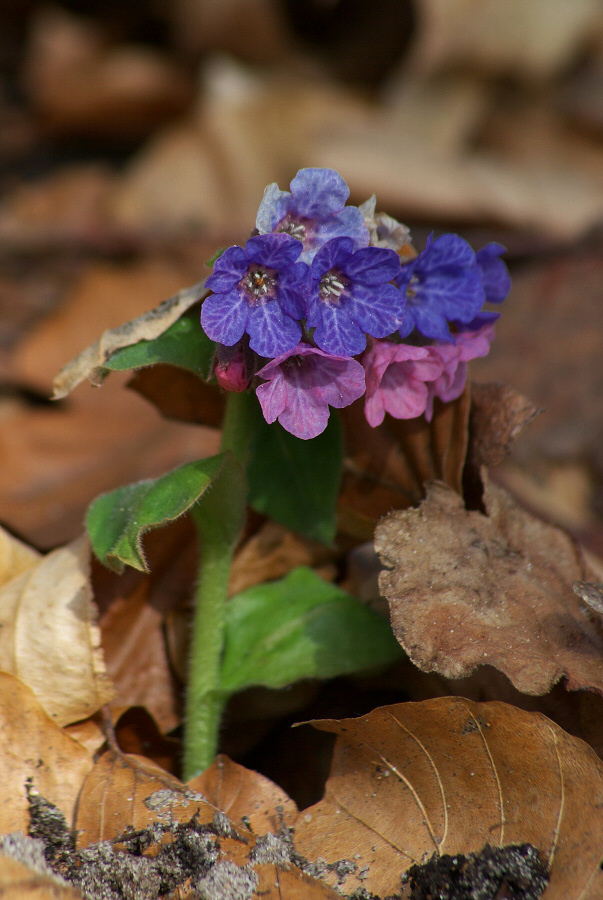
(271, 331)
(318, 193)
(338, 334)
(224, 317)
(229, 268)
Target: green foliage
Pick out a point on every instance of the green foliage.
(184, 344)
(296, 482)
(117, 521)
(300, 627)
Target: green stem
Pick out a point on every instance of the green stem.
(219, 520)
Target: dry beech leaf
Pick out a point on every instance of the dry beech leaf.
(115, 797)
(387, 467)
(146, 327)
(466, 589)
(49, 638)
(33, 746)
(18, 882)
(238, 792)
(448, 776)
(125, 792)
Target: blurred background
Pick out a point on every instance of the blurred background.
(136, 138)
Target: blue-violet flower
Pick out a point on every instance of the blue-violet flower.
(261, 290)
(313, 212)
(444, 283)
(351, 298)
(301, 385)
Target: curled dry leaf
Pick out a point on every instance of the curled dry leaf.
(448, 776)
(146, 327)
(49, 638)
(387, 467)
(18, 882)
(33, 746)
(499, 414)
(466, 589)
(238, 792)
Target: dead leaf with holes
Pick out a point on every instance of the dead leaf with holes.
(448, 776)
(466, 589)
(33, 746)
(49, 637)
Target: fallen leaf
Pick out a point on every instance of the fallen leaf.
(16, 557)
(387, 467)
(467, 589)
(499, 414)
(33, 746)
(146, 327)
(239, 792)
(18, 882)
(123, 793)
(49, 638)
(448, 776)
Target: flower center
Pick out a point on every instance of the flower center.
(259, 283)
(332, 285)
(294, 227)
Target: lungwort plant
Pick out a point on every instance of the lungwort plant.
(326, 308)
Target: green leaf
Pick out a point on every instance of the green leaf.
(301, 627)
(296, 482)
(117, 521)
(184, 344)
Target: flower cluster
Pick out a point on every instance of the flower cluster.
(327, 303)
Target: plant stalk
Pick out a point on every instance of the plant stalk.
(219, 520)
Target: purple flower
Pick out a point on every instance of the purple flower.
(396, 376)
(444, 283)
(451, 383)
(495, 275)
(350, 296)
(261, 290)
(313, 212)
(302, 384)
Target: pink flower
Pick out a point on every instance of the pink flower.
(302, 383)
(395, 380)
(451, 383)
(230, 369)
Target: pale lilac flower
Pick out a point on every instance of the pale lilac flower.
(451, 383)
(351, 296)
(396, 376)
(301, 385)
(313, 212)
(261, 290)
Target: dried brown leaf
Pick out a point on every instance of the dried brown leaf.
(146, 327)
(18, 882)
(467, 589)
(238, 792)
(33, 746)
(387, 467)
(49, 638)
(130, 792)
(448, 776)
(499, 414)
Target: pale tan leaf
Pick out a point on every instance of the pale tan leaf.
(466, 589)
(33, 746)
(448, 776)
(18, 882)
(146, 327)
(49, 638)
(15, 557)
